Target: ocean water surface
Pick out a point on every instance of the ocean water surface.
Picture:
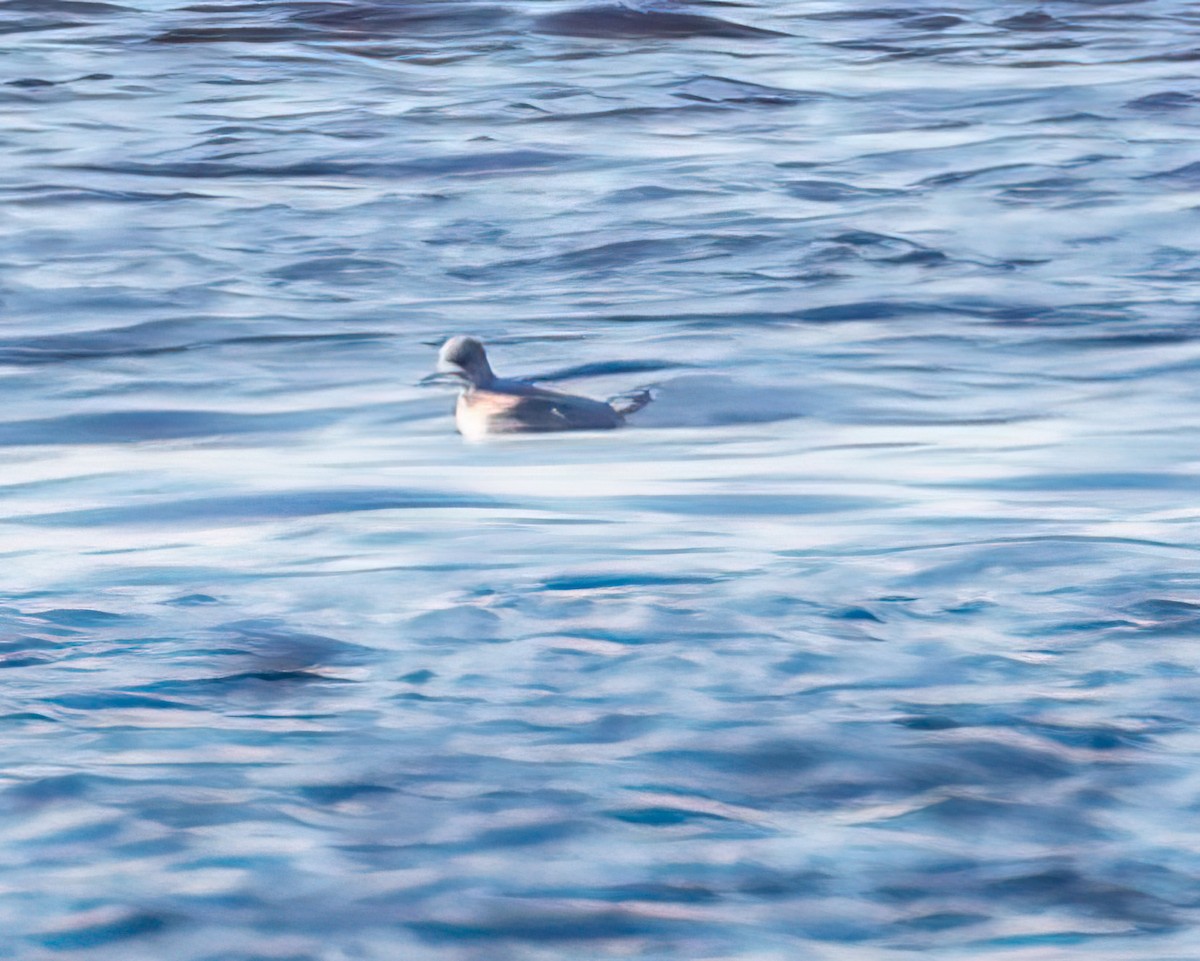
(875, 635)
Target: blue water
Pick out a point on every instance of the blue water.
(875, 634)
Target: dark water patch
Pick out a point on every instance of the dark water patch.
(612, 114)
(36, 26)
(661, 893)
(27, 717)
(509, 727)
(180, 812)
(1004, 818)
(610, 635)
(265, 683)
(275, 646)
(712, 89)
(663, 816)
(961, 176)
(868, 310)
(477, 164)
(230, 34)
(269, 506)
(943, 920)
(929, 722)
(620, 255)
(767, 760)
(1177, 56)
(609, 256)
(614, 728)
(866, 14)
(650, 193)
(342, 270)
(81, 618)
(1095, 737)
(110, 927)
(762, 882)
(85, 7)
(886, 52)
(36, 792)
(1168, 607)
(232, 6)
(529, 835)
(1068, 315)
(620, 22)
(1070, 887)
(805, 662)
(52, 196)
(192, 600)
(116, 701)
(1076, 117)
(1164, 100)
(831, 191)
(935, 22)
(237, 82)
(136, 426)
(1164, 617)
(8, 661)
(538, 926)
(1110, 341)
(827, 314)
(1060, 939)
(375, 20)
(1097, 679)
(997, 758)
(855, 614)
(752, 505)
(595, 582)
(416, 697)
(870, 247)
(1091, 627)
(372, 21)
(1096, 480)
(1188, 175)
(1033, 20)
(1071, 191)
(1015, 761)
(147, 340)
(869, 239)
(333, 794)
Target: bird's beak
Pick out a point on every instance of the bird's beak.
(439, 377)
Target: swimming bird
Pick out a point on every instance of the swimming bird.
(494, 405)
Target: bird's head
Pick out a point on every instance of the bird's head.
(463, 358)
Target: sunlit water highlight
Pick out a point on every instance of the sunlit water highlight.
(876, 634)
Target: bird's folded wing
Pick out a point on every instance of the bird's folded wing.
(548, 411)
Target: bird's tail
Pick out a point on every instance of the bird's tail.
(632, 402)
